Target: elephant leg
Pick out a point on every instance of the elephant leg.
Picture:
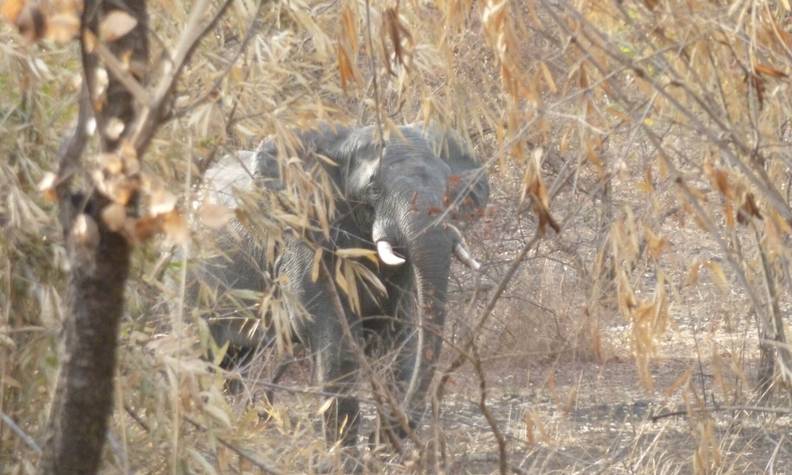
(417, 347)
(336, 371)
(236, 359)
(335, 365)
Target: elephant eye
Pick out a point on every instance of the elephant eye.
(363, 216)
(373, 192)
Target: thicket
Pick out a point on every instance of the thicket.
(640, 156)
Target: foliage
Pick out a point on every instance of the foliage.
(654, 135)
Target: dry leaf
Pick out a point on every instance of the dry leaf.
(325, 406)
(769, 71)
(114, 128)
(655, 244)
(175, 227)
(162, 202)
(358, 252)
(317, 260)
(85, 231)
(63, 27)
(215, 216)
(718, 276)
(678, 382)
(114, 216)
(31, 21)
(548, 77)
(115, 25)
(47, 186)
(11, 9)
(110, 162)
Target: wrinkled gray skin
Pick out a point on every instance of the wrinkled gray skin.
(398, 198)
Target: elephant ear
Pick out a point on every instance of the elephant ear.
(358, 152)
(233, 171)
(266, 167)
(468, 185)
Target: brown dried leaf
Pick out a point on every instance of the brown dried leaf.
(693, 273)
(680, 381)
(748, 209)
(114, 216)
(84, 231)
(10, 10)
(352, 252)
(345, 68)
(63, 27)
(317, 260)
(548, 77)
(115, 25)
(144, 228)
(215, 216)
(162, 201)
(47, 186)
(114, 128)
(30, 20)
(655, 244)
(769, 71)
(111, 163)
(175, 227)
(718, 276)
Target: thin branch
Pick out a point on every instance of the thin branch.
(23, 436)
(120, 72)
(601, 42)
(266, 467)
(71, 149)
(251, 31)
(377, 104)
(503, 460)
(151, 116)
(685, 412)
(379, 388)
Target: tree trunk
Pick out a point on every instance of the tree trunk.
(99, 265)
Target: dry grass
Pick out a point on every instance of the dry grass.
(658, 122)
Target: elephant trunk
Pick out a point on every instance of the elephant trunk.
(425, 249)
(429, 255)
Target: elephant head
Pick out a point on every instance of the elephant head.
(396, 196)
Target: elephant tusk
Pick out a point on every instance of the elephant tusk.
(386, 254)
(460, 248)
(461, 252)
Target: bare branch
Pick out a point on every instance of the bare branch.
(23, 436)
(120, 72)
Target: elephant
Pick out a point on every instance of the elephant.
(395, 198)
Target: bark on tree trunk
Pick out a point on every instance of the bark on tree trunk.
(99, 261)
(84, 392)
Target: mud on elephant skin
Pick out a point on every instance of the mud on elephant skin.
(396, 198)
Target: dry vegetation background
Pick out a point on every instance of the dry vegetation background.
(656, 133)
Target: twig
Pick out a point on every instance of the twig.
(119, 71)
(218, 81)
(380, 390)
(150, 117)
(23, 436)
(71, 149)
(502, 456)
(137, 418)
(601, 42)
(377, 104)
(685, 412)
(264, 466)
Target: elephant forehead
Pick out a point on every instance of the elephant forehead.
(415, 161)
